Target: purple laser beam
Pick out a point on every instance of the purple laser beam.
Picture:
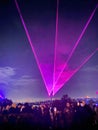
(1, 97)
(56, 38)
(30, 42)
(77, 42)
(76, 70)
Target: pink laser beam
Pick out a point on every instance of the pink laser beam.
(56, 38)
(77, 69)
(30, 42)
(77, 42)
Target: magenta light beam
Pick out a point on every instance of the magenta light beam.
(85, 61)
(56, 39)
(77, 69)
(30, 42)
(77, 42)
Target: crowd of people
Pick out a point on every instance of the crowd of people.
(63, 114)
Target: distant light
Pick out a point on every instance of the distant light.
(97, 92)
(87, 96)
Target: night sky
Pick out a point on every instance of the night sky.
(20, 78)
